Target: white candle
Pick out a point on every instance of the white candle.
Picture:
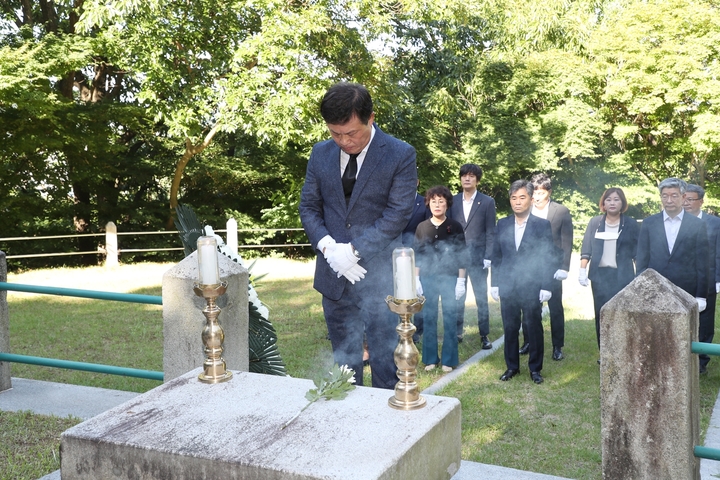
(207, 261)
(232, 235)
(404, 279)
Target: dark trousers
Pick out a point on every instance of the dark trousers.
(528, 312)
(353, 316)
(440, 287)
(557, 316)
(604, 286)
(707, 325)
(478, 276)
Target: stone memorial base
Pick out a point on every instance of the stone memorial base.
(186, 429)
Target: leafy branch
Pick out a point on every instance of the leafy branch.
(336, 386)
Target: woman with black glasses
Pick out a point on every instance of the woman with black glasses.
(609, 247)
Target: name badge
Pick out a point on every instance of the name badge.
(607, 235)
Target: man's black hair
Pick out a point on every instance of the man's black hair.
(541, 180)
(472, 169)
(343, 100)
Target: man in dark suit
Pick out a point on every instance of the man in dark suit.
(674, 244)
(356, 200)
(476, 213)
(419, 214)
(521, 278)
(694, 199)
(562, 230)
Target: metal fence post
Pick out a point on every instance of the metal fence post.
(111, 245)
(5, 381)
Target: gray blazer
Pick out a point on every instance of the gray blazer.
(373, 221)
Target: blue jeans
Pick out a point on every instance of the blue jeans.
(440, 287)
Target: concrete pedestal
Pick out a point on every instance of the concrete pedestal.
(185, 429)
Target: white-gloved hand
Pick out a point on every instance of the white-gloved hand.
(495, 293)
(486, 264)
(355, 273)
(717, 287)
(702, 303)
(582, 278)
(459, 288)
(418, 286)
(326, 245)
(342, 258)
(560, 275)
(545, 296)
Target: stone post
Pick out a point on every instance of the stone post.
(5, 382)
(183, 320)
(649, 382)
(111, 245)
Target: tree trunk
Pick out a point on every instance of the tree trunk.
(190, 151)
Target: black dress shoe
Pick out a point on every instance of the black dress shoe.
(486, 345)
(557, 354)
(460, 339)
(525, 349)
(536, 377)
(509, 373)
(703, 369)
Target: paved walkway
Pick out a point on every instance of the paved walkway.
(63, 400)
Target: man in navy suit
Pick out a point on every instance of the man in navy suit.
(357, 198)
(562, 230)
(521, 278)
(674, 244)
(694, 199)
(419, 214)
(475, 211)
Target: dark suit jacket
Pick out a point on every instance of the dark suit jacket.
(372, 221)
(562, 231)
(479, 228)
(625, 248)
(420, 213)
(527, 270)
(713, 228)
(687, 266)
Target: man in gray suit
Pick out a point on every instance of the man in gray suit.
(357, 198)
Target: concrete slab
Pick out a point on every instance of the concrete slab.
(60, 399)
(233, 430)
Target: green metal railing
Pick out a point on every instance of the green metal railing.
(706, 349)
(71, 365)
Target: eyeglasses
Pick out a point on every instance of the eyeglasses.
(691, 199)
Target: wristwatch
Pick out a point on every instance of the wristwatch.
(356, 253)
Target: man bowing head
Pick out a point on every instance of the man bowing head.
(357, 198)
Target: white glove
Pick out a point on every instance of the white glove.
(717, 287)
(495, 293)
(486, 264)
(418, 286)
(326, 245)
(459, 288)
(342, 258)
(582, 278)
(545, 295)
(560, 275)
(702, 304)
(355, 273)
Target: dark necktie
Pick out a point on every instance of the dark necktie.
(348, 178)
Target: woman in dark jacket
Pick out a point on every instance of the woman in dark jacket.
(609, 246)
(440, 264)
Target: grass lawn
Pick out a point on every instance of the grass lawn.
(553, 428)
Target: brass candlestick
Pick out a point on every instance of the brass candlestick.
(212, 335)
(407, 356)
